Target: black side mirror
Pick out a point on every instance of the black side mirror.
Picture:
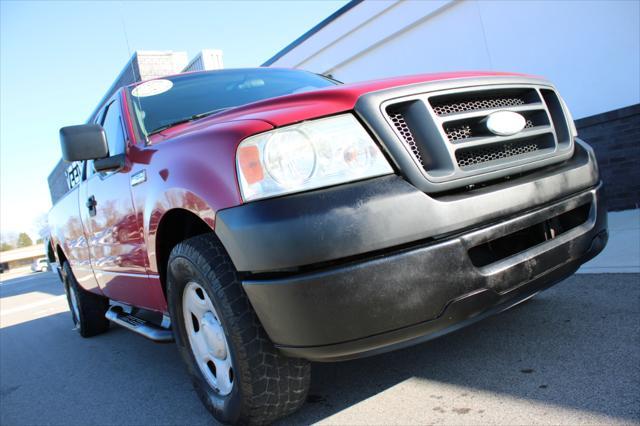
(110, 164)
(83, 142)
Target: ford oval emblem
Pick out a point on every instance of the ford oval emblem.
(505, 123)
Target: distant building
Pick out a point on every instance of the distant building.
(207, 59)
(19, 257)
(148, 64)
(143, 65)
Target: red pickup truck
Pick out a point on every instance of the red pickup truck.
(265, 218)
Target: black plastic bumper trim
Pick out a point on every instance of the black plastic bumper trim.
(376, 304)
(459, 313)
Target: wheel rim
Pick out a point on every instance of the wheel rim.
(74, 304)
(207, 338)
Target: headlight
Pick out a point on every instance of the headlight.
(308, 155)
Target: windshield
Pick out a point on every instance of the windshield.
(161, 103)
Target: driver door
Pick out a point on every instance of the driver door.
(114, 231)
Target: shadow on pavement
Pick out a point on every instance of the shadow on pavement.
(44, 282)
(574, 346)
(51, 375)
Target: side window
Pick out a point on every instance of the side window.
(74, 174)
(112, 125)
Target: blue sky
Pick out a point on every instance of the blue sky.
(58, 58)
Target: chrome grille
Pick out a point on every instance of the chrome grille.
(456, 133)
(484, 154)
(446, 134)
(407, 137)
(477, 105)
(459, 132)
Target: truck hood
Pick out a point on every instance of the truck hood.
(291, 109)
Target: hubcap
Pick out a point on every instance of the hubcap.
(207, 339)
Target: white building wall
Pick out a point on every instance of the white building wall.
(155, 64)
(589, 49)
(206, 60)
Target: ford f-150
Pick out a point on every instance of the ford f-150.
(266, 218)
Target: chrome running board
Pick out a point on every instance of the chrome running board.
(143, 327)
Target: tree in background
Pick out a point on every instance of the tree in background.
(24, 240)
(41, 225)
(5, 246)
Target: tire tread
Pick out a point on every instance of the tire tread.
(275, 385)
(92, 307)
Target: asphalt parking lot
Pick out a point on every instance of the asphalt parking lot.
(569, 356)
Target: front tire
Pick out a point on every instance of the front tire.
(237, 372)
(87, 309)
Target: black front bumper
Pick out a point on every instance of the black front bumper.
(345, 304)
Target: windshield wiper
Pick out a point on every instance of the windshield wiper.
(185, 120)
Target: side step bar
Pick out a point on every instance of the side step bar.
(138, 325)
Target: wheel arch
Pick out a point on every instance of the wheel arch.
(175, 226)
(60, 255)
(51, 250)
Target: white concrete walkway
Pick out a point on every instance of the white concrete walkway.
(622, 253)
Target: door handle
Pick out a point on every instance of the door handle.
(91, 205)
